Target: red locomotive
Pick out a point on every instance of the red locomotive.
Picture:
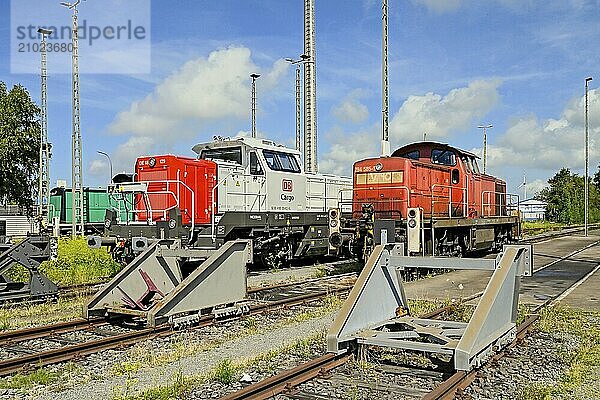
(431, 196)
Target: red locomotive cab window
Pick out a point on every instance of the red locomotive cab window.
(455, 176)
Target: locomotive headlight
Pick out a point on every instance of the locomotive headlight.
(107, 223)
(333, 223)
(412, 213)
(152, 162)
(172, 223)
(412, 223)
(333, 214)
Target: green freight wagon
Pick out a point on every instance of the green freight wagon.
(95, 203)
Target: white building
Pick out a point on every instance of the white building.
(532, 209)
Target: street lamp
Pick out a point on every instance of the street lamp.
(109, 163)
(587, 179)
(254, 78)
(485, 128)
(303, 58)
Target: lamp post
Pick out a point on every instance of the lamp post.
(109, 163)
(254, 78)
(485, 128)
(303, 58)
(587, 178)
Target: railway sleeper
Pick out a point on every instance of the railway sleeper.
(376, 313)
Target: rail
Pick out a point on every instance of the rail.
(507, 197)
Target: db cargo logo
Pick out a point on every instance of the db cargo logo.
(287, 185)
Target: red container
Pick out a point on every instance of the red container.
(175, 181)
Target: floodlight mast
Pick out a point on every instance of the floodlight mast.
(77, 222)
(303, 59)
(310, 90)
(485, 128)
(253, 112)
(45, 150)
(385, 135)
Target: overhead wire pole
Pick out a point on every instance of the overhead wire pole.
(587, 161)
(254, 78)
(44, 173)
(385, 136)
(310, 89)
(485, 128)
(76, 141)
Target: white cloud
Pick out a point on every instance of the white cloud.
(440, 6)
(99, 168)
(441, 116)
(203, 90)
(351, 109)
(552, 143)
(346, 148)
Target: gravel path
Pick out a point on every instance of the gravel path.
(239, 349)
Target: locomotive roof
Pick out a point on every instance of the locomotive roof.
(237, 141)
(429, 144)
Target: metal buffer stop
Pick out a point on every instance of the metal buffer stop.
(170, 284)
(376, 312)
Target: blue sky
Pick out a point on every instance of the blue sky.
(454, 64)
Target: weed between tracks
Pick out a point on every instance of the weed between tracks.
(582, 378)
(16, 317)
(226, 372)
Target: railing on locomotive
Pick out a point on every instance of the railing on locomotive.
(351, 203)
(148, 210)
(507, 200)
(462, 202)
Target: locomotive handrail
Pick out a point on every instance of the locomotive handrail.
(462, 203)
(352, 201)
(213, 204)
(507, 198)
(149, 211)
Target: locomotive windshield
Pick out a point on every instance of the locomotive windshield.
(233, 154)
(443, 157)
(281, 161)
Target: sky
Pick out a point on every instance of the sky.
(453, 65)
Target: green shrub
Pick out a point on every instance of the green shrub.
(76, 264)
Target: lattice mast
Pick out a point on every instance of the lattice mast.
(385, 136)
(298, 109)
(76, 142)
(310, 89)
(44, 173)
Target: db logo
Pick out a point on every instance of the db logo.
(287, 185)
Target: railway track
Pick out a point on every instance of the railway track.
(103, 336)
(442, 384)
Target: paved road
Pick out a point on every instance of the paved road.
(553, 275)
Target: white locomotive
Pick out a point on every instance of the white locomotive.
(235, 188)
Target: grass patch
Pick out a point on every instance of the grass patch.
(39, 377)
(76, 264)
(226, 372)
(582, 379)
(536, 227)
(12, 317)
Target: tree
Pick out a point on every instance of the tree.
(19, 147)
(565, 198)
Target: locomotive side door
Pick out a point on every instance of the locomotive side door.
(255, 183)
(474, 186)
